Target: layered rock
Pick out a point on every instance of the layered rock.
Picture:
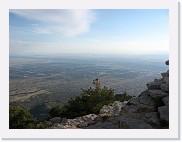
(150, 110)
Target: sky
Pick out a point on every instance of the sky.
(102, 31)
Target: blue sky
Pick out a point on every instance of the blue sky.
(89, 31)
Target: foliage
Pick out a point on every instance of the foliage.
(55, 111)
(122, 97)
(90, 101)
(20, 118)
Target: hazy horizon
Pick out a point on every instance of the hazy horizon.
(89, 31)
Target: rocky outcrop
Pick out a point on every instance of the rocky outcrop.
(79, 122)
(112, 109)
(150, 110)
(55, 120)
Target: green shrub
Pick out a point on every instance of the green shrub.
(20, 118)
(55, 111)
(90, 101)
(122, 97)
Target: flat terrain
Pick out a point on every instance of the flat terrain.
(40, 82)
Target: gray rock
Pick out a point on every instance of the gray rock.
(83, 125)
(154, 85)
(144, 93)
(167, 62)
(63, 126)
(82, 121)
(105, 125)
(165, 87)
(64, 120)
(166, 80)
(55, 120)
(152, 118)
(167, 72)
(89, 117)
(143, 100)
(128, 122)
(164, 113)
(140, 104)
(112, 109)
(157, 93)
(57, 126)
(164, 74)
(159, 80)
(166, 100)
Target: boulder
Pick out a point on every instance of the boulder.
(166, 80)
(167, 62)
(128, 122)
(154, 85)
(140, 104)
(112, 109)
(152, 118)
(57, 126)
(164, 74)
(55, 120)
(83, 125)
(83, 120)
(64, 120)
(164, 113)
(160, 81)
(144, 93)
(63, 126)
(157, 93)
(165, 87)
(142, 100)
(167, 72)
(89, 117)
(166, 100)
(105, 125)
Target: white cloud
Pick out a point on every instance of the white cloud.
(67, 22)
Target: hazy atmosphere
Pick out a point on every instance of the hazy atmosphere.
(88, 31)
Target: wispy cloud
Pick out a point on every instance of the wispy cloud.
(67, 22)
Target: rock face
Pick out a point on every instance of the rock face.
(112, 109)
(150, 110)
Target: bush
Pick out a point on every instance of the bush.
(122, 97)
(20, 118)
(55, 111)
(90, 101)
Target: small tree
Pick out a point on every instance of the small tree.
(90, 101)
(19, 118)
(55, 111)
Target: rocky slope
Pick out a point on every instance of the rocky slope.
(150, 110)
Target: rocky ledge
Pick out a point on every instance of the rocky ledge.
(150, 110)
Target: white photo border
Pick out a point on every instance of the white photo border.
(171, 133)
